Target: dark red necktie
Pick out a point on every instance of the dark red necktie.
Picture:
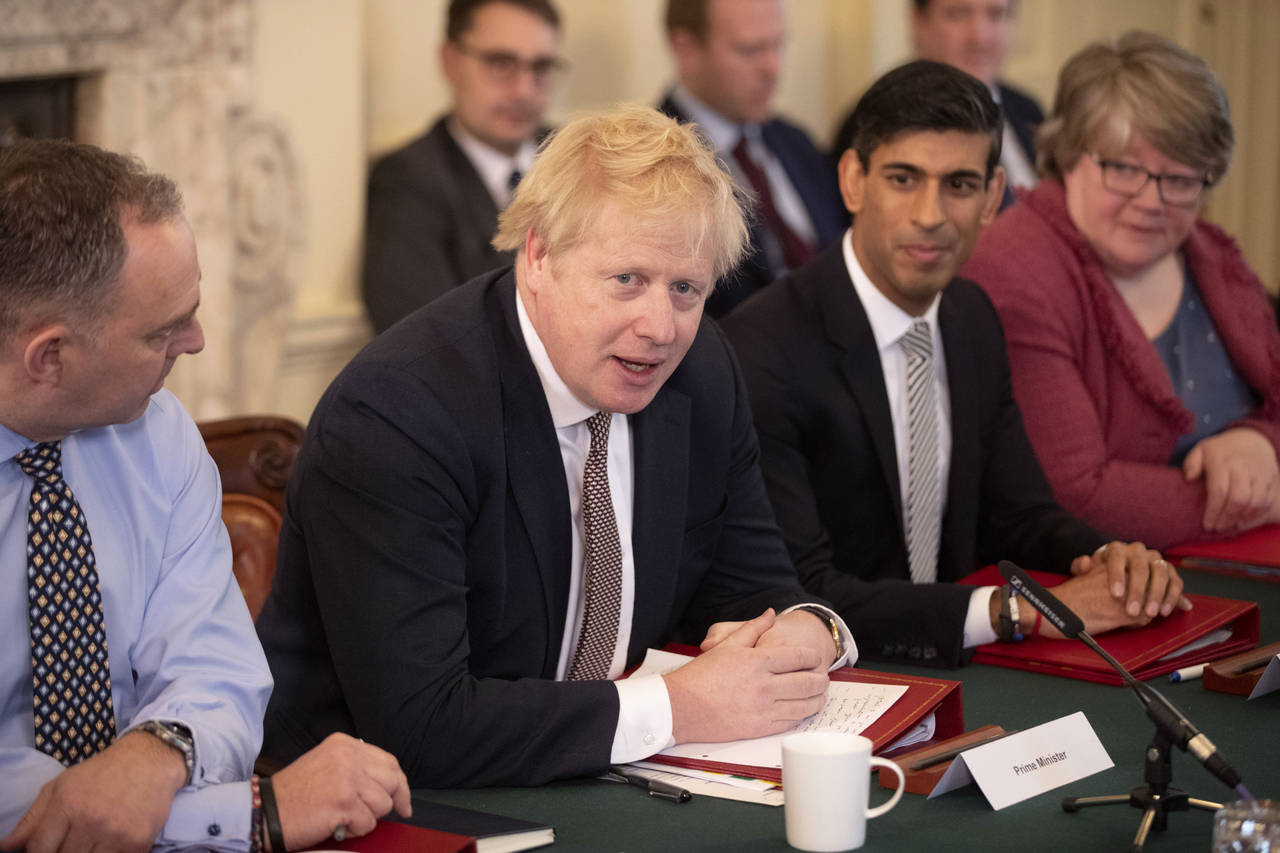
(796, 251)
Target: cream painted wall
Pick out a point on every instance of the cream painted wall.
(353, 79)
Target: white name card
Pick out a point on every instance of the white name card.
(1022, 765)
(1270, 679)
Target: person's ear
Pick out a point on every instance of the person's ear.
(853, 180)
(42, 355)
(536, 257)
(995, 195)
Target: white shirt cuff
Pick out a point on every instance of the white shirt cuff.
(977, 623)
(850, 656)
(215, 816)
(644, 719)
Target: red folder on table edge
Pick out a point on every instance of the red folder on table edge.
(924, 694)
(1252, 554)
(1139, 649)
(391, 837)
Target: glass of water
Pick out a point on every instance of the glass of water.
(1247, 826)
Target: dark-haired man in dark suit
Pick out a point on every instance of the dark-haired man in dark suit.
(433, 204)
(893, 451)
(974, 35)
(728, 54)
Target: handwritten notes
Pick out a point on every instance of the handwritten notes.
(851, 707)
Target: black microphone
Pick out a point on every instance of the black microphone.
(1172, 722)
(1046, 602)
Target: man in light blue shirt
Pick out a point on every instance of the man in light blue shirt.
(132, 684)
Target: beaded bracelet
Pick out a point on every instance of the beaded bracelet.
(255, 816)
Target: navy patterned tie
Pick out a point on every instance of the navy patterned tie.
(71, 674)
(923, 518)
(603, 574)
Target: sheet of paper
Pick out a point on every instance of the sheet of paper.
(921, 732)
(1270, 679)
(851, 707)
(701, 786)
(1210, 639)
(748, 782)
(1022, 765)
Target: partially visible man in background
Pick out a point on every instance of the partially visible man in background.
(974, 36)
(433, 204)
(728, 54)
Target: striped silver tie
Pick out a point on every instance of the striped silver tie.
(923, 518)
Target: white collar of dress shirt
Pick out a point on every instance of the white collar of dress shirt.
(493, 166)
(722, 133)
(888, 321)
(566, 409)
(995, 93)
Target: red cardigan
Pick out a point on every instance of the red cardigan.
(1099, 406)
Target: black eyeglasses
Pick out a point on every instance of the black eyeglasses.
(504, 67)
(1130, 179)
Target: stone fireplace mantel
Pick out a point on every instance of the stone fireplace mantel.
(172, 82)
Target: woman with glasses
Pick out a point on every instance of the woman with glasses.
(1145, 358)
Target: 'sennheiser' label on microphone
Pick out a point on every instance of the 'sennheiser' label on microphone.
(1022, 765)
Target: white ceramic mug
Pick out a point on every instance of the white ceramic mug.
(826, 780)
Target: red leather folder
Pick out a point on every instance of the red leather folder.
(391, 837)
(924, 694)
(1140, 650)
(1253, 554)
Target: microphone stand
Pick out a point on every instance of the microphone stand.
(1155, 798)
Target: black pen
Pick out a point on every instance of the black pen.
(655, 787)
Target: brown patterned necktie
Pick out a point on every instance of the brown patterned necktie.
(71, 674)
(599, 634)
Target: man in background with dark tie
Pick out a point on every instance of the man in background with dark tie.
(131, 683)
(974, 36)
(501, 503)
(892, 448)
(433, 204)
(728, 54)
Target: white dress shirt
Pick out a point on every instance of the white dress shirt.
(644, 706)
(888, 324)
(1018, 169)
(493, 167)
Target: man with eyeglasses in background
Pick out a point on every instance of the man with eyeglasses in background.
(433, 204)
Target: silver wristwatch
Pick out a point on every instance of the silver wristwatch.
(175, 736)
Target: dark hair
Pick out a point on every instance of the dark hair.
(462, 11)
(925, 95)
(61, 242)
(688, 15)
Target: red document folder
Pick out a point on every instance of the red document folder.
(1139, 649)
(391, 837)
(1253, 554)
(924, 694)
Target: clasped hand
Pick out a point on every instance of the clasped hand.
(1123, 584)
(754, 678)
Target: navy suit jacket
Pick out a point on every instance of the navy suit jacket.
(429, 222)
(815, 183)
(830, 463)
(423, 574)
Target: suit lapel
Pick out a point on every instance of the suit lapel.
(535, 470)
(660, 439)
(468, 193)
(849, 333)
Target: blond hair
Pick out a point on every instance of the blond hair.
(1142, 83)
(659, 172)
